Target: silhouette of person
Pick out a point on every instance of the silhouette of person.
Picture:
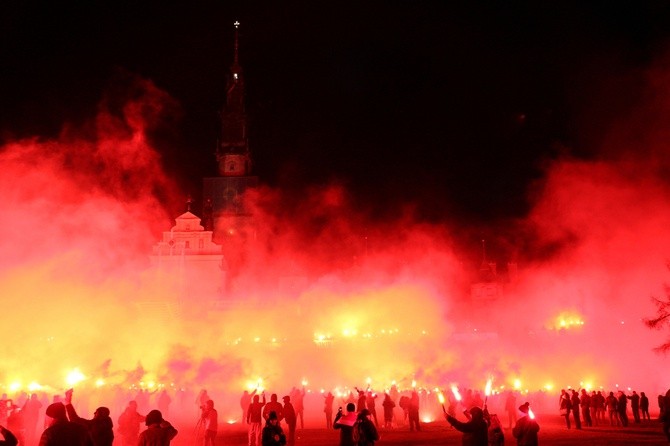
(575, 404)
(388, 406)
(100, 428)
(345, 423)
(635, 405)
(290, 417)
(644, 406)
(10, 439)
(273, 406)
(31, 412)
(526, 429)
(61, 431)
(164, 401)
(158, 431)
(665, 415)
(209, 419)
(475, 431)
(254, 420)
(15, 422)
(622, 408)
(366, 430)
(413, 412)
(328, 401)
(612, 404)
(360, 405)
(297, 398)
(510, 408)
(273, 435)
(245, 400)
(129, 424)
(370, 405)
(564, 406)
(585, 403)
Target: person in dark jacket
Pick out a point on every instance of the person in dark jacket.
(635, 405)
(644, 406)
(273, 435)
(61, 431)
(365, 429)
(575, 402)
(622, 408)
(100, 428)
(565, 406)
(475, 431)
(158, 431)
(291, 420)
(526, 429)
(345, 423)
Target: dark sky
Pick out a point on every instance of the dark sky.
(453, 106)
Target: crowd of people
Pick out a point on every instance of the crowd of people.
(64, 427)
(273, 422)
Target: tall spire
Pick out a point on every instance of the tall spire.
(233, 152)
(237, 43)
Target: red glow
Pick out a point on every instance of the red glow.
(319, 284)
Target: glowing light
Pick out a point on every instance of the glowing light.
(368, 380)
(304, 382)
(99, 382)
(74, 377)
(456, 393)
(15, 386)
(517, 383)
(487, 390)
(413, 384)
(548, 387)
(231, 421)
(33, 386)
(566, 320)
(349, 332)
(440, 397)
(531, 415)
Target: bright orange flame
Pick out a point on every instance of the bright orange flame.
(440, 397)
(565, 320)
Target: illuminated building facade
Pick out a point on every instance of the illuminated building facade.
(187, 257)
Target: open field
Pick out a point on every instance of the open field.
(552, 432)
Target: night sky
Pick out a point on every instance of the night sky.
(454, 107)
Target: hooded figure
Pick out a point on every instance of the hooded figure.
(273, 435)
(366, 430)
(526, 429)
(475, 431)
(159, 432)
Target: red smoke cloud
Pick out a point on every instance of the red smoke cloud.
(323, 293)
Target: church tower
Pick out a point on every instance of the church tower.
(224, 211)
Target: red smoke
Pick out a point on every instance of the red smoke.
(324, 293)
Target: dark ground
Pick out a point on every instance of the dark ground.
(552, 432)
